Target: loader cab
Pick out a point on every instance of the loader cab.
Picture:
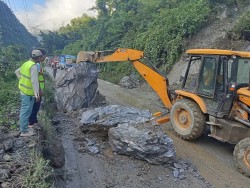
(214, 75)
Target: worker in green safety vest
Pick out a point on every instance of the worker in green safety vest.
(33, 121)
(29, 89)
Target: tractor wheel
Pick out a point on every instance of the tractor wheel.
(242, 156)
(187, 119)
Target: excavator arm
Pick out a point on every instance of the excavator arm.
(157, 81)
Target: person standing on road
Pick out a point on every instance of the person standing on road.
(29, 89)
(33, 122)
(54, 66)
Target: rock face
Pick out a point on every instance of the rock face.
(77, 88)
(103, 118)
(143, 141)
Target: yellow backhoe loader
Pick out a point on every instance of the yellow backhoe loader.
(215, 92)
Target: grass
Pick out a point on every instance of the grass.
(37, 173)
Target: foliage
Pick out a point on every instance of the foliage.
(9, 56)
(114, 72)
(52, 41)
(9, 94)
(9, 100)
(157, 27)
(37, 173)
(162, 41)
(243, 25)
(48, 98)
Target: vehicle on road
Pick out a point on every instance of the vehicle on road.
(66, 61)
(215, 92)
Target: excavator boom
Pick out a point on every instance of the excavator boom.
(121, 54)
(157, 81)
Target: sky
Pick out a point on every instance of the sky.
(38, 15)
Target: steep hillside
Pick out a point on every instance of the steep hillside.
(12, 32)
(214, 35)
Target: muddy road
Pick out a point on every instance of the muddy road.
(212, 159)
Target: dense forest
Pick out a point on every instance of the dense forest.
(157, 27)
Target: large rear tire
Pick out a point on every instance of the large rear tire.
(242, 156)
(187, 119)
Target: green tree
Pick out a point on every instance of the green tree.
(52, 41)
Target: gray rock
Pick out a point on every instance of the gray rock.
(129, 81)
(19, 143)
(93, 149)
(103, 118)
(143, 141)
(77, 88)
(6, 185)
(7, 158)
(8, 144)
(176, 173)
(2, 151)
(4, 174)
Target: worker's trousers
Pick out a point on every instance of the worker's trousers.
(27, 103)
(35, 109)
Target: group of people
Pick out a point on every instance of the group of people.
(31, 86)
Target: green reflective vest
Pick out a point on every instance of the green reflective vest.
(41, 78)
(25, 84)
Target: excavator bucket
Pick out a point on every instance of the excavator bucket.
(84, 56)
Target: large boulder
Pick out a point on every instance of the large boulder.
(143, 141)
(77, 88)
(130, 132)
(105, 117)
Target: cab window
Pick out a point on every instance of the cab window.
(238, 70)
(207, 76)
(193, 73)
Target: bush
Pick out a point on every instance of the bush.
(242, 27)
(37, 173)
